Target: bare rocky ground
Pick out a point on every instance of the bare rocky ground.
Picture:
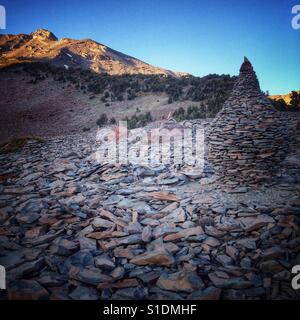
(74, 228)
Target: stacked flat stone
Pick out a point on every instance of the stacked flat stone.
(247, 139)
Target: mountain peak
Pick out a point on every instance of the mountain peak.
(43, 45)
(43, 34)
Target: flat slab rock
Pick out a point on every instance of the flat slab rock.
(157, 257)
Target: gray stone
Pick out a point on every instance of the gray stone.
(26, 290)
(104, 262)
(180, 281)
(89, 275)
(84, 293)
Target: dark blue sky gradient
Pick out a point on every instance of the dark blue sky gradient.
(194, 36)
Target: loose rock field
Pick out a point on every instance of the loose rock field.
(73, 228)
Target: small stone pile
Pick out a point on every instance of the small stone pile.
(248, 138)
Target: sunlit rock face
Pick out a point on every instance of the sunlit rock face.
(43, 46)
(248, 138)
(42, 34)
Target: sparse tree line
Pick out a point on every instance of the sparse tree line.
(211, 91)
(128, 87)
(294, 104)
(136, 121)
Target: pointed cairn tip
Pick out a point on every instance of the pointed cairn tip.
(246, 66)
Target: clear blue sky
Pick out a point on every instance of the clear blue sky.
(194, 36)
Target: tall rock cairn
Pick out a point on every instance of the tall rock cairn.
(247, 139)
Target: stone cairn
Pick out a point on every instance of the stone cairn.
(248, 138)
